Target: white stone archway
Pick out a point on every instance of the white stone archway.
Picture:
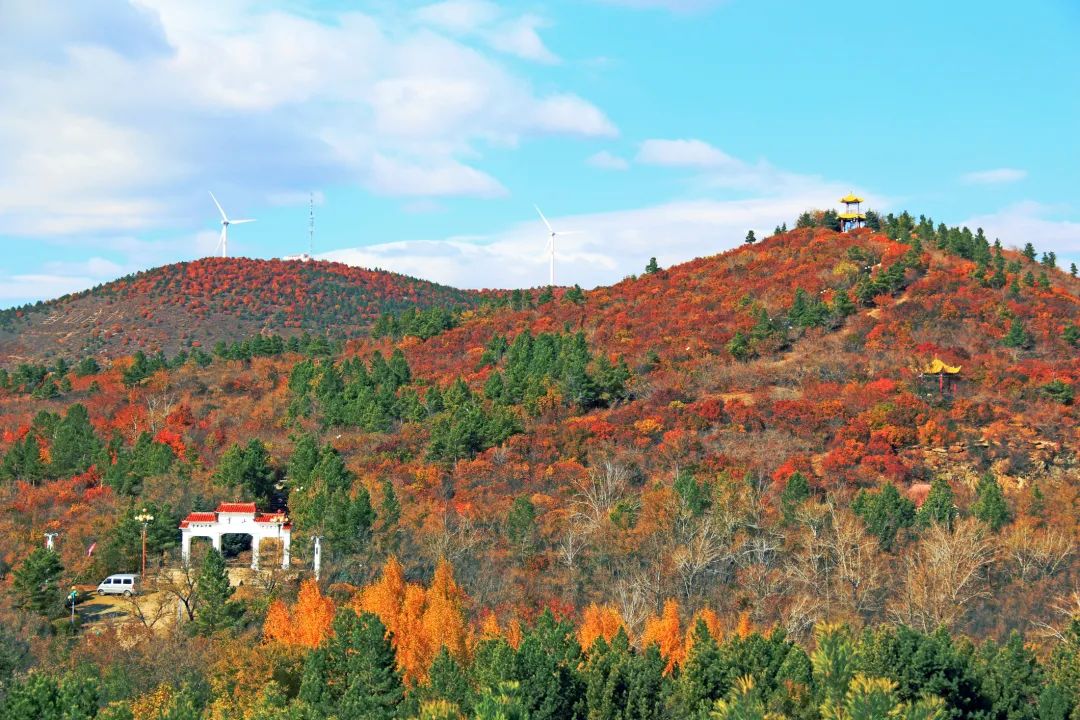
(238, 519)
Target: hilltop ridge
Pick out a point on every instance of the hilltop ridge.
(172, 307)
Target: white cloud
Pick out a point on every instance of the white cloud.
(994, 177)
(683, 153)
(611, 245)
(459, 16)
(95, 267)
(21, 288)
(517, 36)
(605, 160)
(395, 177)
(1028, 222)
(117, 135)
(570, 115)
(716, 170)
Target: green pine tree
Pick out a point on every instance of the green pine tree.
(1018, 337)
(739, 346)
(652, 267)
(214, 610)
(842, 305)
(247, 469)
(705, 677)
(575, 295)
(796, 490)
(1071, 334)
(885, 513)
(43, 697)
(354, 674)
(447, 681)
(36, 583)
(990, 505)
(940, 505)
(1011, 678)
(520, 525)
(305, 457)
(750, 239)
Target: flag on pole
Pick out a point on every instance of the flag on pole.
(91, 550)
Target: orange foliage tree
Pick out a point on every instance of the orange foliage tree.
(306, 624)
(665, 631)
(599, 621)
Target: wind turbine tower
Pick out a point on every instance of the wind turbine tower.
(223, 243)
(311, 225)
(553, 233)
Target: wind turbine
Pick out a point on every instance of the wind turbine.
(551, 242)
(223, 243)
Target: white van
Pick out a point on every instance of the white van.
(125, 584)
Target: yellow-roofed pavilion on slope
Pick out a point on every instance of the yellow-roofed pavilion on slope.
(943, 371)
(851, 218)
(936, 367)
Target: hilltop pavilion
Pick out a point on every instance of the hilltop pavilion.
(239, 519)
(852, 218)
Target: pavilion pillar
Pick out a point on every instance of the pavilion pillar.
(255, 551)
(215, 539)
(286, 540)
(185, 547)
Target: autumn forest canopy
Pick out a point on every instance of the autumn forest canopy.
(821, 475)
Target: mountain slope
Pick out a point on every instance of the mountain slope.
(552, 474)
(212, 299)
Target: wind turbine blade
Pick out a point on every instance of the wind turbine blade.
(219, 207)
(570, 232)
(240, 222)
(551, 229)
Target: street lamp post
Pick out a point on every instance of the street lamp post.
(145, 518)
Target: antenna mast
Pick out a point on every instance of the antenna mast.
(311, 224)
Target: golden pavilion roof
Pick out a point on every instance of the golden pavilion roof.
(936, 367)
(851, 216)
(851, 198)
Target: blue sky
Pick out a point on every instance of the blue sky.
(427, 131)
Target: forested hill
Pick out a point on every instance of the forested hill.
(570, 502)
(214, 299)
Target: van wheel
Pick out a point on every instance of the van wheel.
(100, 593)
(127, 593)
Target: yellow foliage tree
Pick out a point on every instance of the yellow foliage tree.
(154, 704)
(385, 596)
(307, 624)
(414, 652)
(666, 632)
(745, 627)
(513, 633)
(599, 621)
(489, 627)
(711, 620)
(444, 618)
